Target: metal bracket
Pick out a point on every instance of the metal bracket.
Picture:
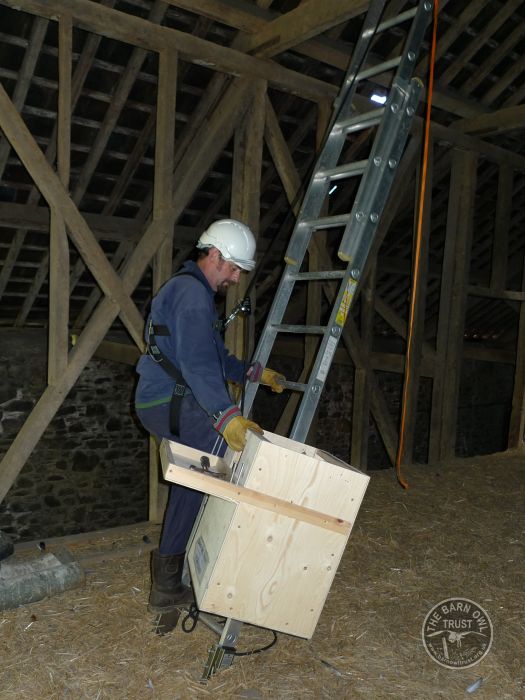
(219, 658)
(221, 655)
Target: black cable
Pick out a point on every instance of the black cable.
(189, 623)
(260, 650)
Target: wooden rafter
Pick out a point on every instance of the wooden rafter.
(92, 17)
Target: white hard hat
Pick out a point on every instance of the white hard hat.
(234, 240)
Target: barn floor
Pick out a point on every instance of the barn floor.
(458, 531)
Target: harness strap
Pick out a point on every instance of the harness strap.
(167, 365)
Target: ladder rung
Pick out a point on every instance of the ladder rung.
(295, 386)
(288, 328)
(361, 121)
(398, 19)
(343, 171)
(380, 68)
(327, 275)
(326, 221)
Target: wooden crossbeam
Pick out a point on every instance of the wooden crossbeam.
(93, 17)
(305, 21)
(56, 195)
(500, 122)
(107, 228)
(218, 132)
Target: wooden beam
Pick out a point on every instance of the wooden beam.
(107, 228)
(58, 244)
(125, 353)
(292, 185)
(245, 206)
(251, 19)
(56, 195)
(493, 58)
(114, 109)
(449, 135)
(502, 224)
(378, 403)
(163, 214)
(106, 312)
(479, 41)
(314, 296)
(500, 85)
(88, 341)
(164, 154)
(65, 57)
(477, 290)
(93, 17)
(500, 122)
(453, 32)
(452, 305)
(302, 23)
(517, 415)
(25, 75)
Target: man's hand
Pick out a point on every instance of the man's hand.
(235, 432)
(273, 379)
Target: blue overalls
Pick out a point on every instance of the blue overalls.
(186, 306)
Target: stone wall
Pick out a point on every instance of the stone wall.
(90, 468)
(483, 412)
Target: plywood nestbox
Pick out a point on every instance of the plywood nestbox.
(267, 544)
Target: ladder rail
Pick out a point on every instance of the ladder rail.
(359, 226)
(393, 127)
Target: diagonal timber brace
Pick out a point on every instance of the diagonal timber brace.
(57, 196)
(200, 157)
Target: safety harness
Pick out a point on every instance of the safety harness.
(167, 365)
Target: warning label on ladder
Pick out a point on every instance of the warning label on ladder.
(345, 303)
(327, 358)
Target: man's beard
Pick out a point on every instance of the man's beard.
(222, 288)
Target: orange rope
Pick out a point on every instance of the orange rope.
(417, 251)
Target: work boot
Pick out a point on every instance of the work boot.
(167, 590)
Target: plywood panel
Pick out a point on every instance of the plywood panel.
(271, 567)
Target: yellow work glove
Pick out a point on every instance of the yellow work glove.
(235, 432)
(273, 379)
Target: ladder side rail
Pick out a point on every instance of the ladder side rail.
(332, 146)
(324, 358)
(401, 84)
(371, 22)
(374, 188)
(371, 190)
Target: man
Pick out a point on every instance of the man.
(182, 393)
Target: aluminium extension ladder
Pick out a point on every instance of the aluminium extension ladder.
(359, 226)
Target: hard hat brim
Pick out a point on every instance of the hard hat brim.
(247, 265)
